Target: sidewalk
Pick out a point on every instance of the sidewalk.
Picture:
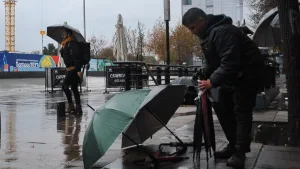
(182, 124)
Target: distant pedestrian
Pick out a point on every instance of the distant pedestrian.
(235, 64)
(73, 76)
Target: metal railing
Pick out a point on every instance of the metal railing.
(139, 74)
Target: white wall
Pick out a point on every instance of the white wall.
(228, 7)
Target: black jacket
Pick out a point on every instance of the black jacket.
(70, 55)
(231, 56)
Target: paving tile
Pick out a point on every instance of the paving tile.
(278, 160)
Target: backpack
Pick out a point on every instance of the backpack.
(82, 51)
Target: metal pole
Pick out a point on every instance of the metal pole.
(168, 42)
(42, 45)
(84, 28)
(84, 31)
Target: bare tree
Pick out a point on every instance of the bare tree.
(136, 41)
(97, 45)
(36, 52)
(132, 38)
(141, 43)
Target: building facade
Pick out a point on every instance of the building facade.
(233, 8)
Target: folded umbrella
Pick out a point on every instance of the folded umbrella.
(204, 126)
(55, 32)
(136, 114)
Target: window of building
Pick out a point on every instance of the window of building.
(186, 2)
(209, 9)
(209, 2)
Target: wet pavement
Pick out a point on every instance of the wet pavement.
(32, 136)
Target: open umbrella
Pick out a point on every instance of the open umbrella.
(120, 44)
(265, 35)
(192, 89)
(136, 114)
(185, 81)
(55, 32)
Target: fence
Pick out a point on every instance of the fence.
(127, 75)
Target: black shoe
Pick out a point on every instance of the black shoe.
(78, 109)
(237, 161)
(227, 152)
(70, 108)
(247, 149)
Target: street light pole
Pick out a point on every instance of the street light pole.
(84, 33)
(167, 19)
(84, 25)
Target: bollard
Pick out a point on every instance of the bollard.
(61, 109)
(158, 75)
(273, 84)
(59, 123)
(186, 72)
(167, 75)
(139, 79)
(195, 70)
(127, 78)
(180, 72)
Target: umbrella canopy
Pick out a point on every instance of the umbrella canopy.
(162, 102)
(266, 35)
(130, 113)
(185, 81)
(55, 32)
(275, 22)
(120, 44)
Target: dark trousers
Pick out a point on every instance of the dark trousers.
(234, 112)
(72, 79)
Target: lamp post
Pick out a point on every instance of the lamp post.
(84, 25)
(42, 32)
(167, 19)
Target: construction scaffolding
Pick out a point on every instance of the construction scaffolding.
(10, 6)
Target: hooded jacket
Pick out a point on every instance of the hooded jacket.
(231, 56)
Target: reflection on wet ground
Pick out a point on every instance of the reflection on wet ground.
(275, 134)
(32, 136)
(267, 134)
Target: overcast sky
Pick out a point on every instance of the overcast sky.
(101, 17)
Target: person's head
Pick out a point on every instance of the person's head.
(195, 20)
(66, 33)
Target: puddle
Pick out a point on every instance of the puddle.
(270, 134)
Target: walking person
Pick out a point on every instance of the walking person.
(235, 64)
(69, 52)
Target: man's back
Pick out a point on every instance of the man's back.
(228, 49)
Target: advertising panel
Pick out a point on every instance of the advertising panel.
(93, 65)
(115, 76)
(58, 76)
(102, 63)
(14, 62)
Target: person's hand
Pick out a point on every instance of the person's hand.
(79, 74)
(205, 84)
